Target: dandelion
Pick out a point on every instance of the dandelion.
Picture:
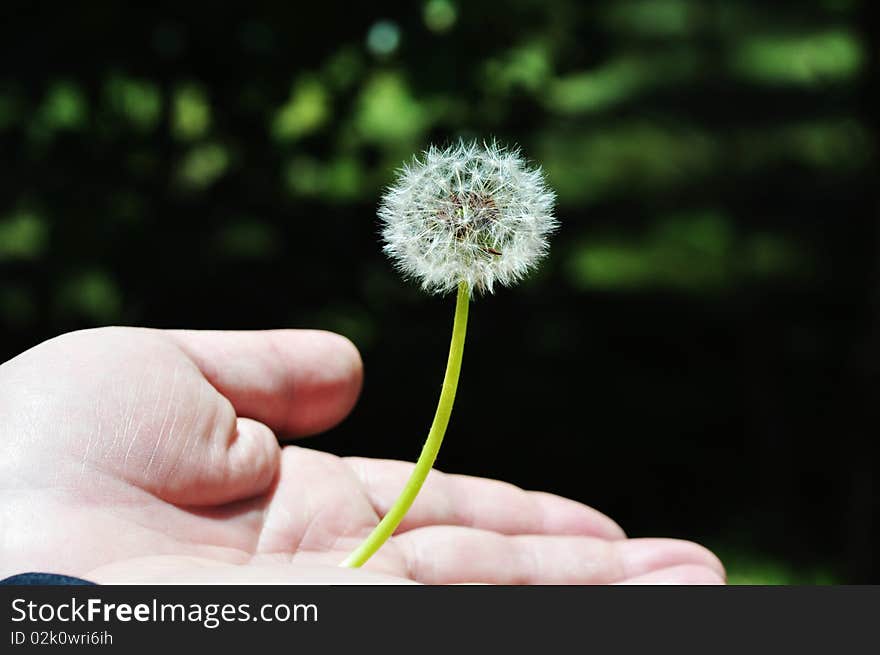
(470, 213)
(466, 217)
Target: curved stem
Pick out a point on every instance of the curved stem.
(404, 501)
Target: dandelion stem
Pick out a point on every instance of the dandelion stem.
(404, 501)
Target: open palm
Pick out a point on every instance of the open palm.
(134, 455)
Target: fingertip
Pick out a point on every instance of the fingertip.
(240, 460)
(252, 459)
(714, 563)
(298, 382)
(350, 367)
(684, 574)
(327, 386)
(566, 516)
(640, 556)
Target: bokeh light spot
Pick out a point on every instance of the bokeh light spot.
(440, 15)
(306, 110)
(191, 113)
(203, 165)
(23, 235)
(137, 101)
(383, 38)
(92, 295)
(388, 112)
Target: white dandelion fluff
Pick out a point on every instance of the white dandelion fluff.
(471, 213)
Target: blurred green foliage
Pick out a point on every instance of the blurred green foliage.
(219, 167)
(758, 569)
(191, 116)
(137, 101)
(689, 253)
(92, 294)
(303, 113)
(203, 165)
(23, 235)
(801, 59)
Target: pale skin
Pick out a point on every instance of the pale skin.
(144, 456)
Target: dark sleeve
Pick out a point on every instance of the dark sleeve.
(43, 579)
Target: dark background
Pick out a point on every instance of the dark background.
(697, 358)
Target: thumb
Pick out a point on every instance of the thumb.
(298, 382)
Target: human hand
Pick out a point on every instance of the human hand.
(135, 455)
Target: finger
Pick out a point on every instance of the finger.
(241, 461)
(686, 574)
(251, 462)
(298, 382)
(444, 555)
(651, 554)
(479, 503)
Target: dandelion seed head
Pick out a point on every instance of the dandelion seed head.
(473, 213)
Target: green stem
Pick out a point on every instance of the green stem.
(404, 501)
